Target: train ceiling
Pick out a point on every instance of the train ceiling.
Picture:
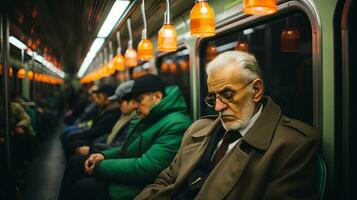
(65, 29)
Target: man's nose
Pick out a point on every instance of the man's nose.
(135, 104)
(219, 105)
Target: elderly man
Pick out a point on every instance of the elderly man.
(251, 151)
(151, 144)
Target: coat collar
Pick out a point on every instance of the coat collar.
(261, 133)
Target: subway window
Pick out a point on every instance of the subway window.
(174, 70)
(283, 49)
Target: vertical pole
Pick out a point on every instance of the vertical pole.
(6, 85)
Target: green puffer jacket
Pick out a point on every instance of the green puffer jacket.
(149, 148)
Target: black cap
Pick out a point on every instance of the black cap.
(147, 83)
(106, 89)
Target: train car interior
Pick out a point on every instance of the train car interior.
(58, 58)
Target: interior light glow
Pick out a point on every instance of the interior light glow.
(96, 45)
(17, 43)
(113, 17)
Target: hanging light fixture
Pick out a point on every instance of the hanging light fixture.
(131, 57)
(211, 51)
(202, 19)
(290, 38)
(259, 7)
(242, 44)
(30, 75)
(167, 39)
(145, 47)
(21, 73)
(110, 64)
(119, 61)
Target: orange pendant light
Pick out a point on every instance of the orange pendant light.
(202, 19)
(164, 67)
(290, 38)
(21, 73)
(145, 47)
(242, 46)
(259, 7)
(167, 38)
(211, 51)
(119, 61)
(30, 75)
(131, 57)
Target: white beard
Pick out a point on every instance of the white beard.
(248, 111)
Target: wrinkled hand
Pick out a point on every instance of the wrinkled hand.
(91, 161)
(19, 130)
(83, 150)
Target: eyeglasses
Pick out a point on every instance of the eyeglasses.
(225, 96)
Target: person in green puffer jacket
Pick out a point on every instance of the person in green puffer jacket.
(152, 142)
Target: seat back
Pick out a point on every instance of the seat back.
(322, 176)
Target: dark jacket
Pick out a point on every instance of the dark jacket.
(102, 125)
(150, 147)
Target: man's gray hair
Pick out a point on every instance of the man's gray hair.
(245, 61)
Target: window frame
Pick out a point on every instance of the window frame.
(180, 46)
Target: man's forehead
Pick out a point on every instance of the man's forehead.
(221, 79)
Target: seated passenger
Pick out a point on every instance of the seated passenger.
(22, 133)
(250, 151)
(83, 122)
(102, 123)
(152, 142)
(120, 129)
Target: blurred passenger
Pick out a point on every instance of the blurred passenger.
(22, 133)
(120, 129)
(250, 151)
(102, 123)
(85, 120)
(152, 142)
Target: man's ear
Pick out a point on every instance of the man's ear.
(258, 88)
(158, 96)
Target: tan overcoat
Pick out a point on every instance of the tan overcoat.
(274, 160)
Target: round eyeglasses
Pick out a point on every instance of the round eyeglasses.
(225, 96)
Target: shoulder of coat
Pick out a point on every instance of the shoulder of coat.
(299, 126)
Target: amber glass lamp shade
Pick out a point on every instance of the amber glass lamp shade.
(131, 58)
(202, 19)
(183, 65)
(211, 51)
(164, 67)
(242, 46)
(145, 50)
(173, 68)
(30, 75)
(119, 62)
(21, 73)
(11, 71)
(290, 39)
(259, 7)
(167, 39)
(110, 67)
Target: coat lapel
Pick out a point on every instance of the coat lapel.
(191, 154)
(227, 173)
(231, 168)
